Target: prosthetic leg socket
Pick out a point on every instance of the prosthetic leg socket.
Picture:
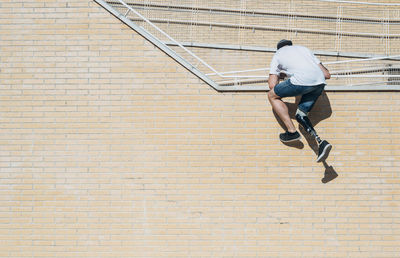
(305, 122)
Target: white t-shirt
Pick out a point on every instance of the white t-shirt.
(299, 64)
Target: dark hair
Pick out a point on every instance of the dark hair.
(284, 42)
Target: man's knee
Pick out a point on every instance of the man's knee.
(272, 95)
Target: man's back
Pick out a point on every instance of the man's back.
(300, 64)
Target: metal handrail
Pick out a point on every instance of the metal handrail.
(223, 74)
(196, 71)
(276, 28)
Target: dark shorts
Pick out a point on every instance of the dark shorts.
(309, 94)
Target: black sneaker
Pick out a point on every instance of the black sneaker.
(289, 137)
(323, 151)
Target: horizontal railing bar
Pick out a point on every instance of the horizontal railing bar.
(333, 73)
(274, 28)
(256, 13)
(267, 49)
(336, 88)
(265, 79)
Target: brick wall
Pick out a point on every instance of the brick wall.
(108, 148)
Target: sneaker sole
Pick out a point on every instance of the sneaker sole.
(293, 140)
(325, 153)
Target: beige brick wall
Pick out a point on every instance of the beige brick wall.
(108, 148)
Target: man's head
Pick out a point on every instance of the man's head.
(284, 42)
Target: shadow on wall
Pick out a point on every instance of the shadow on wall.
(321, 111)
(329, 174)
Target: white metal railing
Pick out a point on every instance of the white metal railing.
(223, 74)
(257, 13)
(240, 75)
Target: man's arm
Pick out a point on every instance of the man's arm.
(326, 72)
(273, 80)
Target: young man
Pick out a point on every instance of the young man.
(306, 79)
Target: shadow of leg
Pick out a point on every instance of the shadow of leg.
(310, 140)
(330, 173)
(296, 144)
(321, 111)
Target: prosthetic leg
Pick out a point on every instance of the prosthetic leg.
(324, 146)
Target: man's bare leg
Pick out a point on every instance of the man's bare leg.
(281, 110)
